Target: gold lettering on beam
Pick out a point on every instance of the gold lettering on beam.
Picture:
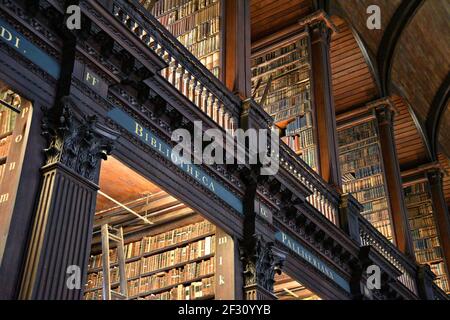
(4, 197)
(139, 130)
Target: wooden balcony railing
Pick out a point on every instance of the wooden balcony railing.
(209, 94)
(200, 86)
(184, 71)
(371, 236)
(324, 198)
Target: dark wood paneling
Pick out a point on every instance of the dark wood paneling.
(421, 58)
(411, 149)
(355, 11)
(353, 83)
(268, 16)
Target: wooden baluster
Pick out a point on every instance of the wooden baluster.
(233, 124)
(198, 95)
(204, 98)
(215, 109)
(173, 72)
(221, 116)
(226, 121)
(210, 110)
(186, 82)
(192, 87)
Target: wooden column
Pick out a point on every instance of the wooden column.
(237, 47)
(441, 213)
(320, 30)
(349, 211)
(59, 245)
(384, 112)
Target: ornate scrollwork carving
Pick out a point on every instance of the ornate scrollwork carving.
(78, 144)
(261, 261)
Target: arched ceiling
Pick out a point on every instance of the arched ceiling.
(353, 82)
(420, 61)
(269, 16)
(418, 65)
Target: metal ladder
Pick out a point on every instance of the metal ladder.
(110, 233)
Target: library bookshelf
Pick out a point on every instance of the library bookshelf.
(422, 223)
(281, 83)
(177, 264)
(362, 171)
(197, 24)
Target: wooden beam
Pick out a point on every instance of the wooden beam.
(399, 21)
(436, 113)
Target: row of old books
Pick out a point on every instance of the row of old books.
(286, 67)
(362, 184)
(420, 210)
(197, 25)
(383, 226)
(309, 156)
(170, 258)
(420, 222)
(181, 8)
(296, 46)
(416, 193)
(423, 232)
(375, 205)
(287, 97)
(7, 120)
(172, 277)
(291, 58)
(426, 243)
(300, 141)
(427, 246)
(427, 255)
(187, 24)
(204, 47)
(357, 133)
(438, 268)
(299, 124)
(95, 279)
(156, 242)
(363, 166)
(176, 276)
(282, 81)
(371, 153)
(177, 235)
(195, 290)
(381, 215)
(356, 145)
(362, 172)
(442, 282)
(370, 194)
(200, 32)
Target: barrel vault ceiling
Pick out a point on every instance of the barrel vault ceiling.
(413, 45)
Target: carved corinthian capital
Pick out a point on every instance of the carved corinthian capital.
(77, 143)
(261, 260)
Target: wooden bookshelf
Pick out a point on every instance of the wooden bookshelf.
(427, 247)
(285, 68)
(154, 261)
(197, 24)
(362, 172)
